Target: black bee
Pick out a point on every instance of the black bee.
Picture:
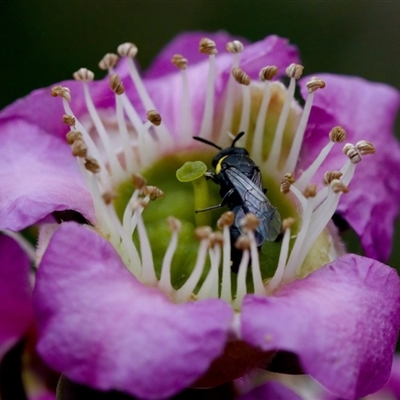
(241, 189)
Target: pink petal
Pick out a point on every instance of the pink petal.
(103, 328)
(15, 293)
(38, 176)
(342, 321)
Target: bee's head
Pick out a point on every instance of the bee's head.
(224, 152)
(227, 152)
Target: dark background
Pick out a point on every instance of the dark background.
(42, 42)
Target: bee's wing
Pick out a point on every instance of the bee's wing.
(255, 201)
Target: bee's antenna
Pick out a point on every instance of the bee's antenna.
(239, 135)
(207, 142)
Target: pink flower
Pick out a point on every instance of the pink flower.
(116, 313)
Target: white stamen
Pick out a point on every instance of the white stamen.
(209, 288)
(165, 280)
(241, 290)
(277, 278)
(129, 155)
(307, 175)
(226, 293)
(274, 155)
(293, 262)
(207, 122)
(257, 146)
(127, 248)
(184, 292)
(115, 166)
(186, 118)
(148, 274)
(229, 99)
(92, 148)
(143, 94)
(245, 117)
(255, 266)
(291, 161)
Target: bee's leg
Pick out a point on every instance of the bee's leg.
(222, 204)
(212, 176)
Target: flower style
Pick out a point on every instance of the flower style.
(151, 316)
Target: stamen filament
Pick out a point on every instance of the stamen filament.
(133, 262)
(209, 288)
(165, 280)
(277, 278)
(148, 273)
(184, 292)
(274, 155)
(103, 218)
(293, 263)
(258, 137)
(143, 94)
(92, 148)
(115, 166)
(291, 161)
(255, 266)
(241, 280)
(186, 119)
(226, 291)
(306, 176)
(129, 155)
(229, 99)
(245, 117)
(207, 122)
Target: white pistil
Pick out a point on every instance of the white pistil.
(294, 71)
(236, 48)
(265, 75)
(277, 278)
(290, 164)
(165, 280)
(208, 47)
(186, 290)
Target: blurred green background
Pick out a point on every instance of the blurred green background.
(42, 42)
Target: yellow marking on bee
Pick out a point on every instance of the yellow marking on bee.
(218, 167)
